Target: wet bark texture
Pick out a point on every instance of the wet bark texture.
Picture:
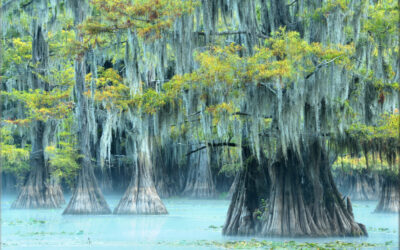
(389, 201)
(87, 197)
(252, 186)
(141, 196)
(38, 191)
(303, 201)
(199, 181)
(232, 189)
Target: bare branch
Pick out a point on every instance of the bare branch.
(320, 66)
(228, 144)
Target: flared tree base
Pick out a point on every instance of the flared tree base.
(87, 197)
(36, 197)
(141, 196)
(358, 185)
(302, 201)
(140, 201)
(389, 201)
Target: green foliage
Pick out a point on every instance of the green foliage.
(228, 71)
(386, 129)
(148, 17)
(348, 163)
(17, 54)
(64, 156)
(262, 211)
(326, 9)
(110, 91)
(381, 138)
(22, 51)
(383, 18)
(60, 41)
(14, 158)
(264, 244)
(285, 57)
(41, 105)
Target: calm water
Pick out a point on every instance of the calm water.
(188, 221)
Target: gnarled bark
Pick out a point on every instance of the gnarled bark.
(302, 201)
(232, 189)
(87, 197)
(141, 196)
(252, 186)
(199, 181)
(389, 201)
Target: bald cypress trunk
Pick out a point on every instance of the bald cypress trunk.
(199, 181)
(389, 200)
(141, 196)
(167, 173)
(360, 185)
(39, 191)
(302, 200)
(233, 186)
(87, 197)
(252, 186)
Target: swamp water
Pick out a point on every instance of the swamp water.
(190, 224)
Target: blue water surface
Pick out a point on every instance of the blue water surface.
(188, 221)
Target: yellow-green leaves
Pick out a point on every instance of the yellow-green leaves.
(42, 105)
(14, 158)
(148, 17)
(383, 18)
(16, 54)
(110, 89)
(387, 128)
(285, 57)
(64, 155)
(22, 51)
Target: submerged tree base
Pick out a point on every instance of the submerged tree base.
(39, 193)
(252, 185)
(87, 197)
(359, 185)
(141, 196)
(302, 201)
(140, 201)
(33, 196)
(389, 201)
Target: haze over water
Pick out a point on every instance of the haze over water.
(188, 222)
